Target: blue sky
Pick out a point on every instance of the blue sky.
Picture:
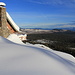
(42, 13)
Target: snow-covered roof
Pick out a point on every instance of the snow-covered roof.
(12, 22)
(2, 4)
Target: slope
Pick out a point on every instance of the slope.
(18, 59)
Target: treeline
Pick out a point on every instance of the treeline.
(62, 41)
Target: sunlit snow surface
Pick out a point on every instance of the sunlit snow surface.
(20, 59)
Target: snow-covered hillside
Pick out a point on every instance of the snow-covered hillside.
(17, 58)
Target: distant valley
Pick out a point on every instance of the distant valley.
(57, 39)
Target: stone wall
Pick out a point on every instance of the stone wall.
(4, 32)
(10, 28)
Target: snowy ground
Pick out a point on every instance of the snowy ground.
(17, 58)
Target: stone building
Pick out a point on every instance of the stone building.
(7, 25)
(3, 22)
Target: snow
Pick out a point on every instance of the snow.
(17, 58)
(12, 22)
(22, 36)
(2, 4)
(14, 38)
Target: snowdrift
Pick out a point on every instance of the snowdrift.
(20, 59)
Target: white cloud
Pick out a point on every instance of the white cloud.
(40, 25)
(66, 26)
(69, 3)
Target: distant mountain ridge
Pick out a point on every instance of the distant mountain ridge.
(70, 28)
(40, 31)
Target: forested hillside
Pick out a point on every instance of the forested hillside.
(61, 41)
